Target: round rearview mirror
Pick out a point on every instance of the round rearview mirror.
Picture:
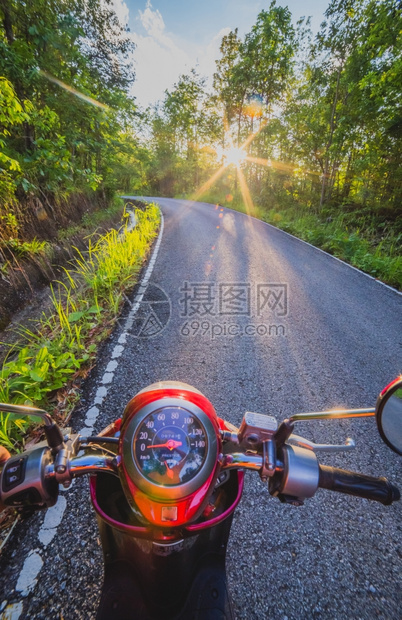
(389, 415)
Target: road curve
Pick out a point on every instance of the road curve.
(259, 321)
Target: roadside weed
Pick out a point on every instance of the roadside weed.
(56, 352)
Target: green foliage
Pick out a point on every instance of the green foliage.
(11, 114)
(183, 132)
(110, 264)
(66, 118)
(381, 260)
(257, 69)
(25, 248)
(85, 306)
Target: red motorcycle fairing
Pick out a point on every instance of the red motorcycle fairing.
(159, 501)
(157, 574)
(127, 524)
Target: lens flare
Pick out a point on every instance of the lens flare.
(234, 156)
(72, 90)
(254, 106)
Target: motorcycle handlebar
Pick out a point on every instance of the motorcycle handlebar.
(294, 472)
(93, 463)
(332, 478)
(351, 483)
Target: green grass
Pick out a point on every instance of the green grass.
(381, 259)
(62, 347)
(360, 239)
(25, 248)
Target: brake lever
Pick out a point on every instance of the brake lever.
(297, 440)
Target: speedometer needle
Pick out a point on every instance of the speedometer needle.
(171, 444)
(169, 472)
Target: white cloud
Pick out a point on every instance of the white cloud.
(159, 61)
(160, 57)
(121, 10)
(152, 21)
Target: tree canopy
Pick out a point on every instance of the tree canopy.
(319, 118)
(66, 115)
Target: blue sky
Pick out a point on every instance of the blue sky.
(172, 36)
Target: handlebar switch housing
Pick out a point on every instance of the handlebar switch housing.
(23, 483)
(297, 475)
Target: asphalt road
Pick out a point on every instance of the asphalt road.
(259, 321)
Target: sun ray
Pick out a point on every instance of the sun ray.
(269, 163)
(252, 136)
(278, 165)
(204, 188)
(245, 193)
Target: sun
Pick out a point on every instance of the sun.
(234, 156)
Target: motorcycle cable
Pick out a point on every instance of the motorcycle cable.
(100, 439)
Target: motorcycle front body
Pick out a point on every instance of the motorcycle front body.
(165, 481)
(172, 574)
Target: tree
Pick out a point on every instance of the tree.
(184, 129)
(257, 68)
(224, 80)
(69, 65)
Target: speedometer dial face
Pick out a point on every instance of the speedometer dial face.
(170, 446)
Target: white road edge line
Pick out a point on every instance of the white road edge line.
(391, 288)
(315, 248)
(33, 563)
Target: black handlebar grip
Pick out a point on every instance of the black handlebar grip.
(343, 481)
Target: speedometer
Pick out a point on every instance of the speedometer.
(170, 446)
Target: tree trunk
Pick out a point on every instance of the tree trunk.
(348, 178)
(7, 23)
(331, 135)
